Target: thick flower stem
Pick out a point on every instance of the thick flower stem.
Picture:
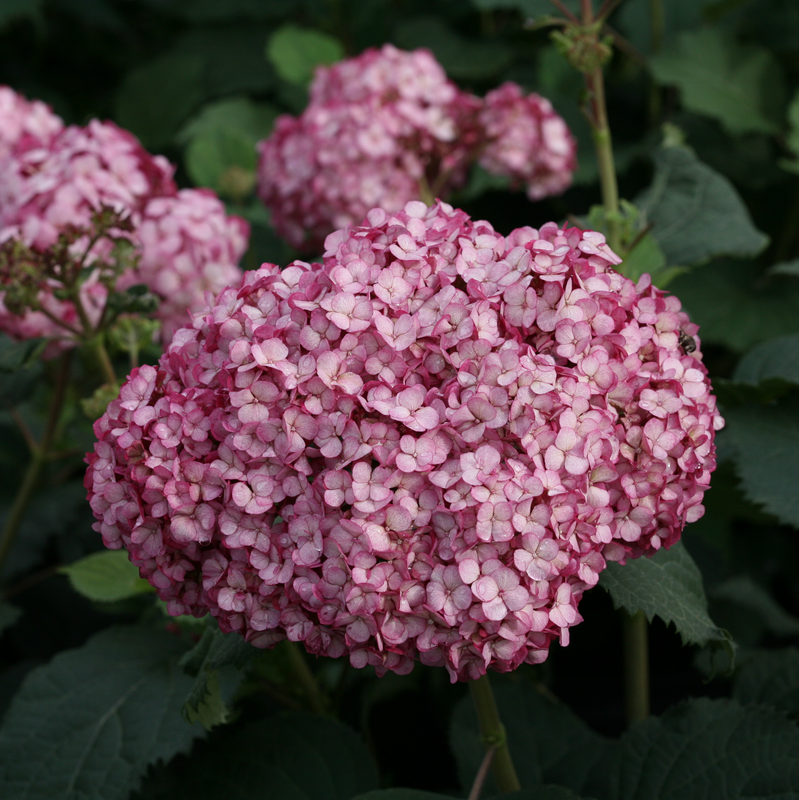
(603, 143)
(636, 667)
(40, 455)
(104, 360)
(492, 732)
(302, 672)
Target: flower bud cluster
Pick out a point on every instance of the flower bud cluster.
(426, 448)
(388, 127)
(55, 179)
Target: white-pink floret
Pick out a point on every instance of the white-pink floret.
(451, 508)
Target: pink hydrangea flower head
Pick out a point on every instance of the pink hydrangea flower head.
(189, 246)
(25, 124)
(425, 448)
(376, 129)
(527, 141)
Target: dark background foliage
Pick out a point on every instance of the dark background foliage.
(97, 674)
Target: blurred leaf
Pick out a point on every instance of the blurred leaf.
(296, 52)
(740, 85)
(156, 97)
(402, 794)
(707, 750)
(213, 10)
(548, 743)
(646, 256)
(529, 8)
(52, 512)
(738, 307)
(667, 585)
(792, 139)
(776, 358)
(294, 756)
(766, 441)
(11, 10)
(634, 19)
(770, 679)
(210, 156)
(216, 652)
(785, 268)
(251, 120)
(695, 212)
(16, 355)
(742, 591)
(541, 793)
(8, 615)
(106, 577)
(461, 58)
(16, 387)
(97, 717)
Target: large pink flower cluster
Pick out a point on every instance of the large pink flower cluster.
(518, 125)
(426, 448)
(25, 124)
(388, 127)
(187, 244)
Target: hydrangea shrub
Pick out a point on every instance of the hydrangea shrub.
(55, 179)
(425, 448)
(388, 127)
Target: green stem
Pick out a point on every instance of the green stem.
(636, 667)
(40, 455)
(310, 686)
(603, 143)
(492, 732)
(104, 360)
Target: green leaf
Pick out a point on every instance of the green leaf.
(634, 19)
(252, 120)
(528, 8)
(210, 157)
(11, 10)
(16, 355)
(785, 268)
(87, 725)
(8, 615)
(548, 743)
(707, 750)
(216, 661)
(289, 756)
(736, 305)
(403, 794)
(461, 58)
(668, 585)
(296, 52)
(695, 212)
(771, 678)
(740, 85)
(541, 793)
(155, 98)
(742, 591)
(766, 442)
(776, 358)
(792, 139)
(106, 577)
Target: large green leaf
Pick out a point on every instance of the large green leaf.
(87, 725)
(770, 678)
(735, 305)
(743, 592)
(740, 85)
(776, 358)
(106, 577)
(465, 59)
(635, 20)
(708, 750)
(548, 743)
(701, 750)
(11, 10)
(16, 355)
(695, 212)
(217, 662)
(668, 585)
(296, 52)
(286, 757)
(766, 441)
(529, 8)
